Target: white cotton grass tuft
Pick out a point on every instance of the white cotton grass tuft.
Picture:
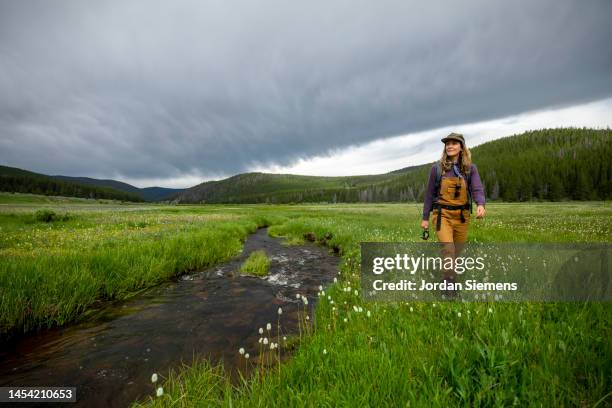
(154, 378)
(324, 351)
(265, 340)
(305, 300)
(159, 392)
(458, 314)
(241, 350)
(261, 330)
(280, 311)
(268, 326)
(297, 296)
(368, 314)
(247, 356)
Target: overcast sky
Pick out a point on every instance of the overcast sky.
(175, 92)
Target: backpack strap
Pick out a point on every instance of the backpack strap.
(438, 173)
(469, 183)
(436, 194)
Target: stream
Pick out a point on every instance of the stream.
(208, 314)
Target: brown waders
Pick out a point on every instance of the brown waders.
(451, 218)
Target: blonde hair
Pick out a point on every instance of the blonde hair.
(465, 159)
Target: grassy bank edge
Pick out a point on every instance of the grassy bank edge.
(53, 290)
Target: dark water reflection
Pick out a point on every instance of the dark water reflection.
(110, 358)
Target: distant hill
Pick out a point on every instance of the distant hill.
(159, 193)
(548, 164)
(17, 180)
(148, 193)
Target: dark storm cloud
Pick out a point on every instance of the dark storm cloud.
(144, 89)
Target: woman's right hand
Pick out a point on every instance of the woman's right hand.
(425, 224)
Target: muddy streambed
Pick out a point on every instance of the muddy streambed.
(212, 313)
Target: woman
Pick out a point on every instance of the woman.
(453, 184)
(452, 199)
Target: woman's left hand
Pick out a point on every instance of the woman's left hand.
(480, 211)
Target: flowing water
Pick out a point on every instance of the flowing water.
(211, 314)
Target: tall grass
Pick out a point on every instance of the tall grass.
(257, 264)
(50, 273)
(427, 354)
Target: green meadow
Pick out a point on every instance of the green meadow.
(356, 353)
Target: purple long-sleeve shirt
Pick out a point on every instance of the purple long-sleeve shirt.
(478, 194)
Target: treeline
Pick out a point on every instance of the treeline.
(20, 181)
(549, 164)
(552, 164)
